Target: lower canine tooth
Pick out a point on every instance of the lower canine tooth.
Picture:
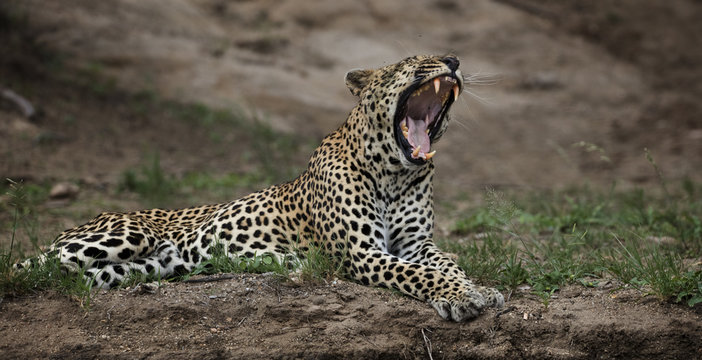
(455, 92)
(437, 85)
(430, 155)
(416, 151)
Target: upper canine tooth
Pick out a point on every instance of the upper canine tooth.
(455, 92)
(437, 85)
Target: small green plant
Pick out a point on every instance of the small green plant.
(658, 171)
(663, 272)
(48, 274)
(513, 272)
(315, 264)
(688, 287)
(24, 199)
(545, 295)
(44, 276)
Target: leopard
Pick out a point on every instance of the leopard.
(365, 199)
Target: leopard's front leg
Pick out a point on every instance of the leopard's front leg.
(410, 238)
(425, 252)
(453, 297)
(426, 274)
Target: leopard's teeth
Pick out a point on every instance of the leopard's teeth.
(430, 155)
(426, 131)
(416, 150)
(455, 92)
(405, 133)
(404, 127)
(437, 85)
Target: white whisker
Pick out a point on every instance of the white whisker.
(481, 99)
(465, 122)
(479, 79)
(464, 126)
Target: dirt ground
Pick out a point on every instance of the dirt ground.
(257, 317)
(623, 75)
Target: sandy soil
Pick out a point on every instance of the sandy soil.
(617, 74)
(258, 317)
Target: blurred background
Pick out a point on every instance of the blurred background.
(189, 101)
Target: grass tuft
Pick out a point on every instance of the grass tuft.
(38, 277)
(47, 276)
(315, 265)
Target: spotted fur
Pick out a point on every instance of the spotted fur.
(365, 198)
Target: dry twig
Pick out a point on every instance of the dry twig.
(427, 343)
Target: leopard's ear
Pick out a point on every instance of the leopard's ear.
(357, 80)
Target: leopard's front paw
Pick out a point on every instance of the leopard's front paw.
(459, 304)
(493, 298)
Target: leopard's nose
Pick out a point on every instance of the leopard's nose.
(452, 62)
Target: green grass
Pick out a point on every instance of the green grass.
(582, 236)
(24, 199)
(37, 277)
(311, 264)
(41, 277)
(221, 261)
(315, 265)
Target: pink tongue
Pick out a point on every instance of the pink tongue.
(418, 135)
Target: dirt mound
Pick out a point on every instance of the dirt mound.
(259, 317)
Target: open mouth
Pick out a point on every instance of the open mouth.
(420, 114)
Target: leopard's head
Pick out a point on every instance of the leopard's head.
(406, 106)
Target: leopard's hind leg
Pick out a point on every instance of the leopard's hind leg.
(163, 263)
(111, 246)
